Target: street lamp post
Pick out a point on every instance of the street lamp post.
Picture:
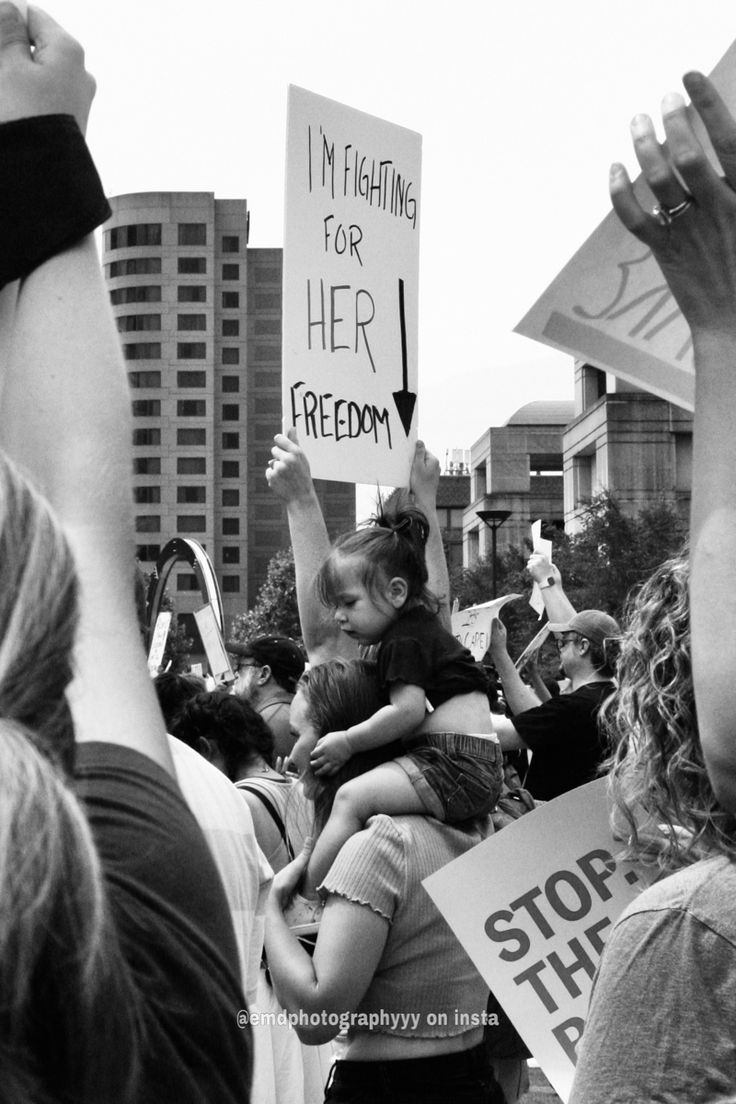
(494, 519)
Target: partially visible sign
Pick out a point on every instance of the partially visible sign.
(611, 304)
(532, 906)
(351, 276)
(158, 641)
(544, 548)
(472, 626)
(213, 644)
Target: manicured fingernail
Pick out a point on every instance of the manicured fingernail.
(640, 125)
(616, 170)
(672, 102)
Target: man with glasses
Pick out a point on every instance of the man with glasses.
(562, 733)
(267, 670)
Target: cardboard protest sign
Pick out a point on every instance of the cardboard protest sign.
(611, 305)
(544, 548)
(533, 646)
(214, 647)
(351, 277)
(472, 626)
(158, 641)
(532, 907)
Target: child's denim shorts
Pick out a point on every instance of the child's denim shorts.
(457, 775)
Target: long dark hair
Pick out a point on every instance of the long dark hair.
(392, 545)
(341, 693)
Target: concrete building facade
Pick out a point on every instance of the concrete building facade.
(199, 316)
(517, 468)
(626, 441)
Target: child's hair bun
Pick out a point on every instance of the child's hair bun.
(407, 522)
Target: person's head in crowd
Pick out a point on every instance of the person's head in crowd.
(226, 731)
(587, 642)
(265, 664)
(174, 691)
(38, 614)
(60, 959)
(668, 812)
(372, 574)
(332, 697)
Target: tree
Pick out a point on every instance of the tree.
(275, 610)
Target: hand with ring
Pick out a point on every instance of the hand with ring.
(692, 230)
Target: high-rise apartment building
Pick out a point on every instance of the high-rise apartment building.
(199, 316)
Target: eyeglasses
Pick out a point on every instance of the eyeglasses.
(561, 641)
(245, 665)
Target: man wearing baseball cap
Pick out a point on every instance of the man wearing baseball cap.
(267, 670)
(562, 733)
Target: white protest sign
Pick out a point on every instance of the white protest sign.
(158, 641)
(543, 548)
(214, 647)
(611, 305)
(351, 279)
(472, 626)
(532, 906)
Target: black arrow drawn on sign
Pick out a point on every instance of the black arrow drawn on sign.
(405, 399)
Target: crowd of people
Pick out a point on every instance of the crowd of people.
(215, 894)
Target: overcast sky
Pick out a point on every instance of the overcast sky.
(521, 106)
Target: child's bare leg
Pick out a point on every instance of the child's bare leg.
(385, 789)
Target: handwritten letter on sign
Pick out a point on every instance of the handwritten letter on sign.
(611, 304)
(351, 274)
(532, 906)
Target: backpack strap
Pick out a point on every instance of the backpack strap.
(247, 784)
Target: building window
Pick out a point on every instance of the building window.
(231, 327)
(146, 465)
(230, 496)
(143, 293)
(196, 293)
(191, 266)
(144, 350)
(147, 436)
(231, 527)
(143, 233)
(231, 584)
(191, 436)
(231, 440)
(230, 383)
(191, 321)
(191, 408)
(191, 495)
(147, 496)
(231, 272)
(230, 299)
(230, 412)
(479, 481)
(144, 379)
(230, 243)
(146, 408)
(187, 582)
(134, 266)
(191, 379)
(192, 233)
(191, 350)
(231, 554)
(148, 523)
(231, 356)
(148, 553)
(231, 469)
(191, 465)
(128, 323)
(583, 468)
(191, 523)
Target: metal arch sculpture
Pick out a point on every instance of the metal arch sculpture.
(191, 552)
